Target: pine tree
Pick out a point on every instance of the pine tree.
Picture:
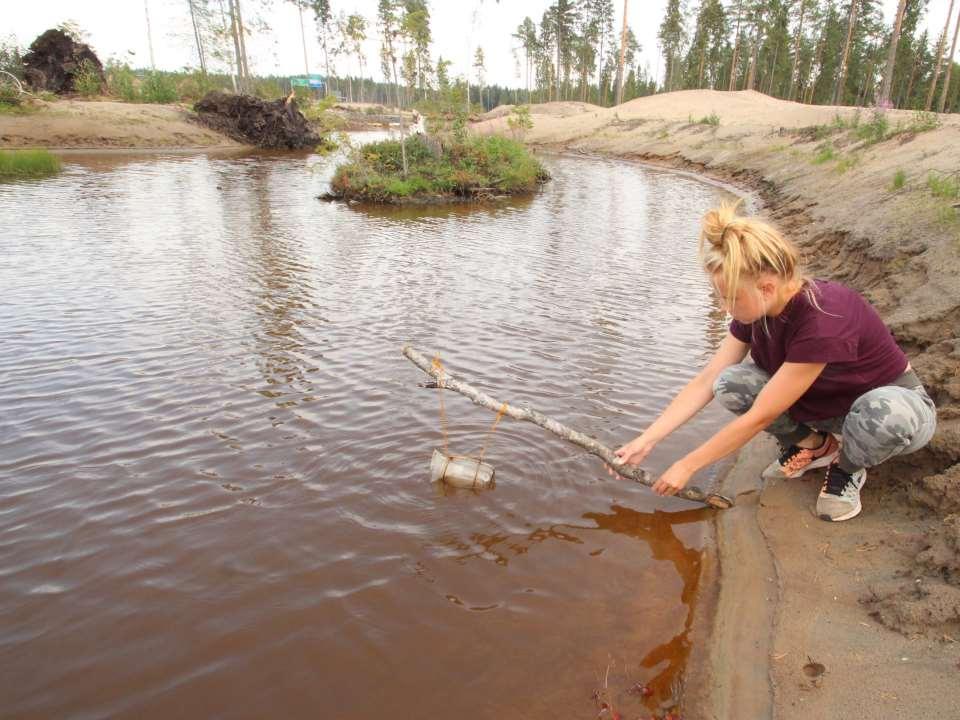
(672, 35)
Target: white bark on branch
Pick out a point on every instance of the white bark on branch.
(446, 381)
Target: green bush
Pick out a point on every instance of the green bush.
(159, 88)
(876, 130)
(28, 163)
(899, 179)
(477, 166)
(121, 82)
(520, 121)
(87, 81)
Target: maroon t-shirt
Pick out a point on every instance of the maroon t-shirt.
(846, 333)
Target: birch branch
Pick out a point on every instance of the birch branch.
(446, 381)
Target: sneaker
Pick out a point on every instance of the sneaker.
(840, 496)
(794, 461)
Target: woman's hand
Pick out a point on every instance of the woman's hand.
(673, 480)
(633, 453)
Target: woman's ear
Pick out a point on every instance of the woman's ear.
(766, 286)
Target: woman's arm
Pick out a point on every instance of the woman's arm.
(695, 395)
(785, 387)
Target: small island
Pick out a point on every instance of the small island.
(464, 169)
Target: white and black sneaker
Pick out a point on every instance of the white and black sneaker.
(840, 496)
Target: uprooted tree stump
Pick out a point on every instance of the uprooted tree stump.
(55, 59)
(274, 124)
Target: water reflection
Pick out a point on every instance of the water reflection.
(213, 417)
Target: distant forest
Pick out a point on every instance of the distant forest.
(811, 51)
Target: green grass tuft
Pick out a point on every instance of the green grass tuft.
(825, 154)
(28, 163)
(944, 186)
(899, 179)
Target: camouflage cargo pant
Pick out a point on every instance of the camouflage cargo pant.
(891, 420)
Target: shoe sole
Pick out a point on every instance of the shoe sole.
(846, 516)
(818, 463)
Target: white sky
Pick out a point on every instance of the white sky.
(117, 28)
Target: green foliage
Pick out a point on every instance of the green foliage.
(158, 87)
(195, 85)
(711, 119)
(924, 121)
(876, 130)
(825, 153)
(899, 179)
(519, 121)
(11, 57)
(944, 186)
(28, 163)
(267, 89)
(846, 162)
(318, 113)
(86, 81)
(121, 82)
(476, 167)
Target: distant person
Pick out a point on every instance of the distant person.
(829, 381)
(419, 126)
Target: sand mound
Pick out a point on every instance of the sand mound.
(550, 109)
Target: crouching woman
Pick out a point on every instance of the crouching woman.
(827, 380)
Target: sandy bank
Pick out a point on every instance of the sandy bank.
(106, 124)
(873, 603)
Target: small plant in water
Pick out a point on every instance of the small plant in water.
(28, 163)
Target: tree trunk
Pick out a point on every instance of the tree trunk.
(752, 68)
(703, 55)
(600, 92)
(403, 129)
(303, 38)
(796, 52)
(196, 35)
(444, 381)
(936, 72)
(623, 55)
(884, 98)
(913, 77)
(736, 50)
(243, 47)
(146, 12)
(946, 80)
(841, 81)
(234, 33)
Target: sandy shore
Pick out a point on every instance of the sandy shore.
(92, 125)
(805, 618)
(104, 124)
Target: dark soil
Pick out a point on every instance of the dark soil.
(53, 61)
(273, 124)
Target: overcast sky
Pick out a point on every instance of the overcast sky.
(118, 28)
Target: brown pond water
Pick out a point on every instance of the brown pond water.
(214, 495)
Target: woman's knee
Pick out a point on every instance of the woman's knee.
(887, 421)
(737, 386)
